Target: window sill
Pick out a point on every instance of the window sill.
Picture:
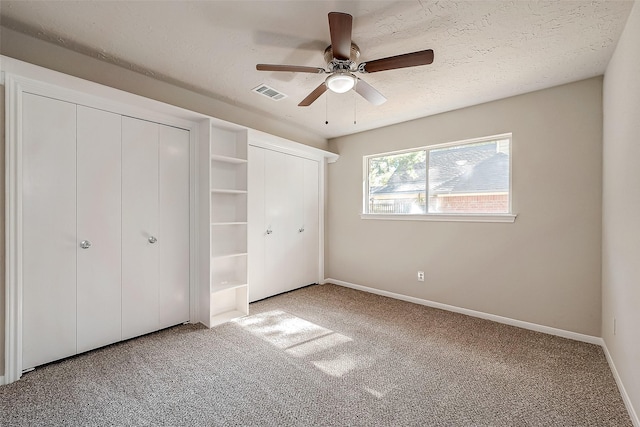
(443, 217)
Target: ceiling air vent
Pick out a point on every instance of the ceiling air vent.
(269, 92)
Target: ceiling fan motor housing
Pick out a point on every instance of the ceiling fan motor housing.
(345, 65)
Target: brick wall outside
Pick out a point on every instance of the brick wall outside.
(486, 203)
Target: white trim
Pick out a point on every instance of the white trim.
(194, 306)
(623, 392)
(203, 195)
(322, 203)
(276, 143)
(2, 380)
(443, 217)
(487, 316)
(446, 144)
(13, 232)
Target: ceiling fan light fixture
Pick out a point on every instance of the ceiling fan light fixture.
(341, 82)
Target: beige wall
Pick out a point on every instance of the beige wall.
(544, 268)
(621, 209)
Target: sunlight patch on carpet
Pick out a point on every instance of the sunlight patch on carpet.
(303, 339)
(297, 336)
(343, 364)
(317, 345)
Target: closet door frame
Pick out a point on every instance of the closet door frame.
(19, 78)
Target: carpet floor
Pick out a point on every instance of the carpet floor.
(323, 356)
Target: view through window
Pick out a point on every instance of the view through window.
(459, 178)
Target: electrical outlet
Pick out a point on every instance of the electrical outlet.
(420, 276)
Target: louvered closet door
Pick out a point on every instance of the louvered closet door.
(99, 223)
(173, 235)
(48, 230)
(140, 253)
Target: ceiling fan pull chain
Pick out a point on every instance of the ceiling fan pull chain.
(326, 110)
(355, 108)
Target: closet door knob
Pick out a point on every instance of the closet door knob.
(300, 230)
(152, 239)
(85, 244)
(269, 231)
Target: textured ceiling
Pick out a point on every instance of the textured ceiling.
(484, 50)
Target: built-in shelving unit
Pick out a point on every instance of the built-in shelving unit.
(227, 290)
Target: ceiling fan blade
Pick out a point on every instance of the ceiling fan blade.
(313, 95)
(423, 57)
(369, 93)
(291, 68)
(340, 25)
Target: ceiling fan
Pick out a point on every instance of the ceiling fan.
(342, 56)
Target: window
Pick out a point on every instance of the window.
(470, 177)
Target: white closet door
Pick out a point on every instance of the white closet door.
(99, 223)
(294, 257)
(283, 222)
(139, 227)
(303, 238)
(173, 234)
(48, 230)
(277, 217)
(256, 226)
(311, 224)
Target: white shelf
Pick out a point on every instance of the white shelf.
(233, 255)
(228, 207)
(228, 241)
(228, 175)
(220, 318)
(227, 191)
(228, 143)
(229, 223)
(224, 286)
(227, 159)
(228, 303)
(228, 273)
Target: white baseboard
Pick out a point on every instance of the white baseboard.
(506, 320)
(623, 392)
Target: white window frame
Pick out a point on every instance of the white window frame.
(450, 217)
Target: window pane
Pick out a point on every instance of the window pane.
(470, 178)
(398, 184)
